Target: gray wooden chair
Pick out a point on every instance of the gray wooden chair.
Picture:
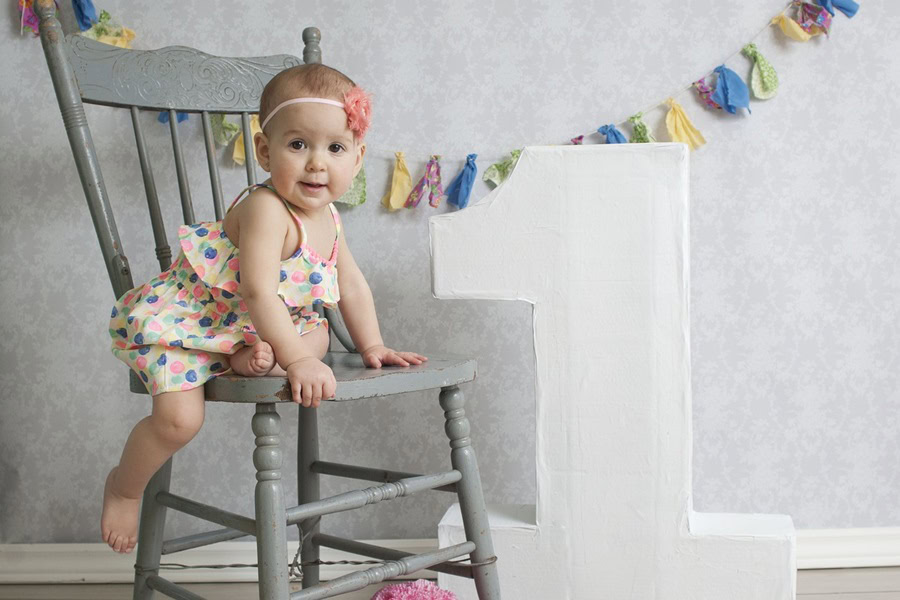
(183, 79)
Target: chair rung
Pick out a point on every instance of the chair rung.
(368, 473)
(172, 590)
(200, 539)
(207, 513)
(392, 568)
(354, 547)
(372, 495)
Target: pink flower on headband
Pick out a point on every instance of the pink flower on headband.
(358, 106)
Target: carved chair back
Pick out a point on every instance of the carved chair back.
(173, 79)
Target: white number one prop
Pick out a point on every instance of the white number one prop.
(596, 238)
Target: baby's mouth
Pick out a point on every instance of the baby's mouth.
(312, 186)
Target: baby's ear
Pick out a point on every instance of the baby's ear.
(360, 152)
(262, 150)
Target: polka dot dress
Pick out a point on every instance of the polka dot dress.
(178, 329)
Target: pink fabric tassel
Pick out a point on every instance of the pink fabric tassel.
(705, 93)
(431, 178)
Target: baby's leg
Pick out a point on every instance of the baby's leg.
(176, 419)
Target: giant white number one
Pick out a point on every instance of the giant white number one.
(597, 239)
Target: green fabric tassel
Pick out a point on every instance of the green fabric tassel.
(356, 195)
(763, 78)
(223, 131)
(497, 173)
(641, 133)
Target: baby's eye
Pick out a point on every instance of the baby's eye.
(336, 148)
(297, 145)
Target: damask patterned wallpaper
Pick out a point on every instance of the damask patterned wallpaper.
(794, 261)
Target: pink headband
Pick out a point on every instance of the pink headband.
(357, 104)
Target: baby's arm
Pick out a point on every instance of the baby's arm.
(358, 310)
(263, 229)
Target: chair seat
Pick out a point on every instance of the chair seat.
(354, 380)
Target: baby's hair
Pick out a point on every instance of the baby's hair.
(313, 80)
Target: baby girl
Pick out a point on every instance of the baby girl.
(240, 296)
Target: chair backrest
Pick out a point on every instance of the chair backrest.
(174, 79)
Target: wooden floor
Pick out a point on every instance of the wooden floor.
(825, 584)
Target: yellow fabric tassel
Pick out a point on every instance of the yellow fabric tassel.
(238, 154)
(680, 127)
(791, 28)
(123, 40)
(401, 185)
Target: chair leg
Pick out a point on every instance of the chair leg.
(271, 535)
(471, 499)
(308, 487)
(151, 531)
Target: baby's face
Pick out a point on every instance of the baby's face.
(311, 154)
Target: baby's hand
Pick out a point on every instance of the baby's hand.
(378, 356)
(311, 380)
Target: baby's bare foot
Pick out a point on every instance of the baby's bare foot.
(253, 361)
(119, 521)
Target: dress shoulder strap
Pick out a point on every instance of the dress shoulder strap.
(248, 189)
(337, 220)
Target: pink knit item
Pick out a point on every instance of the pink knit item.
(421, 589)
(358, 107)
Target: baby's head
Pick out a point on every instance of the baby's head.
(314, 119)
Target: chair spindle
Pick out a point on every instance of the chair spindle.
(249, 154)
(184, 189)
(70, 104)
(215, 181)
(163, 252)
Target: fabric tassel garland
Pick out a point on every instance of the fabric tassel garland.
(108, 32)
(497, 173)
(763, 78)
(577, 140)
(813, 19)
(431, 178)
(179, 116)
(731, 91)
(613, 135)
(237, 155)
(85, 13)
(705, 93)
(461, 187)
(848, 7)
(223, 131)
(640, 132)
(401, 184)
(791, 28)
(356, 195)
(680, 127)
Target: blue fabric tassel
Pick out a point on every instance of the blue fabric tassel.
(164, 116)
(613, 135)
(848, 7)
(731, 91)
(459, 189)
(85, 13)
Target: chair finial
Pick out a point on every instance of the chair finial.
(312, 53)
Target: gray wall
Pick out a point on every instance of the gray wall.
(795, 273)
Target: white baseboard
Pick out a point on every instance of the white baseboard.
(848, 548)
(96, 563)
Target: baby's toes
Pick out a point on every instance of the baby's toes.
(262, 348)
